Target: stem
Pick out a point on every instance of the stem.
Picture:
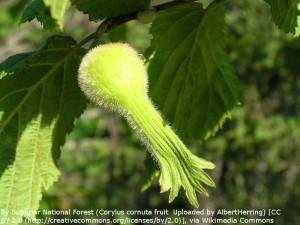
(111, 23)
(179, 167)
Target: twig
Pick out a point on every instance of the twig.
(85, 40)
(111, 23)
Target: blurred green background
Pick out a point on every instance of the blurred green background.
(256, 153)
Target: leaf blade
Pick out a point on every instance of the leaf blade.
(196, 86)
(14, 63)
(286, 15)
(37, 9)
(102, 9)
(57, 9)
(35, 116)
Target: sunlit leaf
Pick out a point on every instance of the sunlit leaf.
(191, 78)
(38, 104)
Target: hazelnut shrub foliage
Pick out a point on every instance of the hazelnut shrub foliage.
(191, 82)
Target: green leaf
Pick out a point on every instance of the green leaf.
(106, 8)
(286, 15)
(13, 63)
(57, 9)
(191, 78)
(38, 105)
(38, 10)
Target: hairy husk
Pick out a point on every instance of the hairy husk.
(114, 77)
